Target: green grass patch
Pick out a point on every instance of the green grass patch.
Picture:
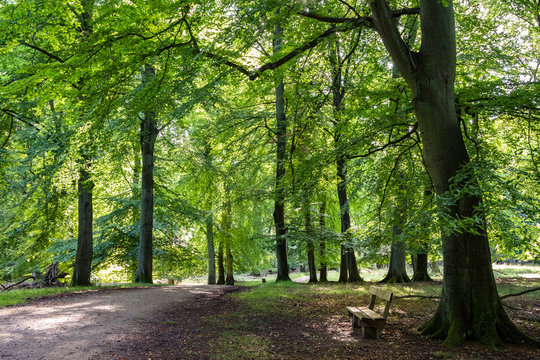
(19, 296)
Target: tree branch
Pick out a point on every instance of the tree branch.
(7, 287)
(385, 25)
(393, 142)
(254, 74)
(520, 293)
(43, 51)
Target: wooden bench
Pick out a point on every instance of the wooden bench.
(372, 323)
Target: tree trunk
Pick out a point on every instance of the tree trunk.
(281, 148)
(83, 259)
(323, 276)
(149, 132)
(309, 242)
(421, 269)
(343, 266)
(470, 307)
(421, 256)
(229, 262)
(85, 243)
(397, 272)
(221, 269)
(211, 252)
(347, 250)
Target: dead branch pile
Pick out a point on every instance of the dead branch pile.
(50, 277)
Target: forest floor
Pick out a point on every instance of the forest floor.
(271, 321)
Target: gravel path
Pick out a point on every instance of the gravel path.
(86, 325)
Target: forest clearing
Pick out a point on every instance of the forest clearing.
(342, 143)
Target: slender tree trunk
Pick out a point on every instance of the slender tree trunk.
(136, 209)
(281, 148)
(221, 268)
(421, 256)
(85, 243)
(397, 271)
(347, 250)
(227, 222)
(83, 259)
(149, 132)
(323, 277)
(211, 252)
(343, 265)
(229, 263)
(310, 247)
(470, 307)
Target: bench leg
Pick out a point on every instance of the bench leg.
(355, 322)
(369, 332)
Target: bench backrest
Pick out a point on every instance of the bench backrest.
(383, 294)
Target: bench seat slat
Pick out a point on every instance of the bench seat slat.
(364, 313)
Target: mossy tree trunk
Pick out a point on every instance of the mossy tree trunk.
(470, 307)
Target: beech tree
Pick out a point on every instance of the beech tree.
(470, 307)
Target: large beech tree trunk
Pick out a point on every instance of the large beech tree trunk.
(470, 307)
(148, 135)
(281, 149)
(83, 258)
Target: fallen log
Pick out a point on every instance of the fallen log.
(7, 287)
(50, 277)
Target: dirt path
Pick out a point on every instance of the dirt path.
(90, 325)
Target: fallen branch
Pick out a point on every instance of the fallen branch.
(520, 293)
(6, 288)
(417, 296)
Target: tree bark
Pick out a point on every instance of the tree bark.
(310, 247)
(421, 268)
(148, 135)
(397, 272)
(221, 268)
(421, 256)
(281, 148)
(323, 276)
(83, 258)
(470, 307)
(211, 252)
